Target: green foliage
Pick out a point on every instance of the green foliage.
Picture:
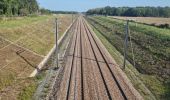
(18, 7)
(45, 11)
(64, 12)
(27, 92)
(132, 11)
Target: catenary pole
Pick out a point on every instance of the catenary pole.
(126, 43)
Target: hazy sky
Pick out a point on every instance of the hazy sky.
(83, 5)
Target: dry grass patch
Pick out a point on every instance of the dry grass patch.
(147, 20)
(21, 89)
(14, 65)
(3, 43)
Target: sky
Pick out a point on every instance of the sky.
(84, 5)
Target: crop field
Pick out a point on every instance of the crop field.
(24, 42)
(147, 20)
(149, 68)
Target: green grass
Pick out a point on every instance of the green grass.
(20, 22)
(160, 33)
(34, 33)
(39, 40)
(37, 45)
(154, 85)
(6, 79)
(151, 53)
(15, 29)
(27, 92)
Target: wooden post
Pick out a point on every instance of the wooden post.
(126, 43)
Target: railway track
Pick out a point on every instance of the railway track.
(90, 72)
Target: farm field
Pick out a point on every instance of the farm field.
(24, 42)
(147, 20)
(151, 48)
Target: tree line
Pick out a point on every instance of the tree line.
(18, 7)
(64, 12)
(24, 8)
(131, 11)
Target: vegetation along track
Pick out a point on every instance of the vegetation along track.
(90, 73)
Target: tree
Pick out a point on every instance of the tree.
(1, 7)
(18, 7)
(132, 11)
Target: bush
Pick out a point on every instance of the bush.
(23, 12)
(164, 26)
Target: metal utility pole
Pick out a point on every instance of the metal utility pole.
(126, 43)
(56, 41)
(72, 17)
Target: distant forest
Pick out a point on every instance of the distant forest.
(24, 8)
(64, 12)
(131, 11)
(18, 7)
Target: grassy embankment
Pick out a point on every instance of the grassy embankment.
(23, 44)
(151, 49)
